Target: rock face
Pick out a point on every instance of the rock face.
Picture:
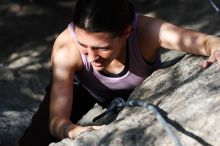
(186, 95)
(24, 73)
(16, 106)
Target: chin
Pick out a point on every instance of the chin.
(98, 68)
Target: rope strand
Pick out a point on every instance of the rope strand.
(214, 6)
(119, 103)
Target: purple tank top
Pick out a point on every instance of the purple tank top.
(105, 88)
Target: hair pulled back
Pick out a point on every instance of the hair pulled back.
(111, 16)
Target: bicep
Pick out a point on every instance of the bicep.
(182, 39)
(64, 62)
(61, 89)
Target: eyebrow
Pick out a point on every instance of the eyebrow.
(107, 46)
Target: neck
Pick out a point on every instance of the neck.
(118, 64)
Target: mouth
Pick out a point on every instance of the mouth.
(97, 63)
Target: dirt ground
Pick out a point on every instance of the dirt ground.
(28, 29)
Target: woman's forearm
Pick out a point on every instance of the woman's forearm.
(57, 126)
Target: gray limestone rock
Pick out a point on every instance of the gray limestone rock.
(186, 95)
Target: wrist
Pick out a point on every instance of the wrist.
(66, 130)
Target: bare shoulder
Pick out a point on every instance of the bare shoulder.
(148, 32)
(149, 27)
(65, 52)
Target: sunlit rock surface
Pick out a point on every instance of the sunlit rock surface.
(28, 30)
(187, 96)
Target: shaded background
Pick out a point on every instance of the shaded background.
(27, 32)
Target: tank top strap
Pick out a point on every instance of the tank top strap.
(86, 64)
(71, 30)
(135, 51)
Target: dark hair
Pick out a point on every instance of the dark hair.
(111, 16)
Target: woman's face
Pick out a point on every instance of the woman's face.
(100, 48)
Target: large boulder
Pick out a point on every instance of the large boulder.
(186, 95)
(24, 59)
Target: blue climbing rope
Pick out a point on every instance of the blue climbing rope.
(214, 6)
(119, 103)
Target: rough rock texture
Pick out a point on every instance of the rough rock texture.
(186, 95)
(27, 32)
(28, 29)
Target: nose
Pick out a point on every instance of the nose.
(91, 55)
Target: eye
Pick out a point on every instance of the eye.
(103, 49)
(82, 45)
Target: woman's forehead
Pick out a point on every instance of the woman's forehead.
(93, 38)
(95, 34)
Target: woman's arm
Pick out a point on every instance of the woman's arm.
(190, 41)
(178, 38)
(65, 61)
(170, 36)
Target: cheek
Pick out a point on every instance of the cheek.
(107, 54)
(112, 54)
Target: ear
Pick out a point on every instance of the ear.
(127, 32)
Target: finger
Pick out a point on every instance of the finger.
(211, 59)
(98, 127)
(204, 64)
(216, 55)
(208, 62)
